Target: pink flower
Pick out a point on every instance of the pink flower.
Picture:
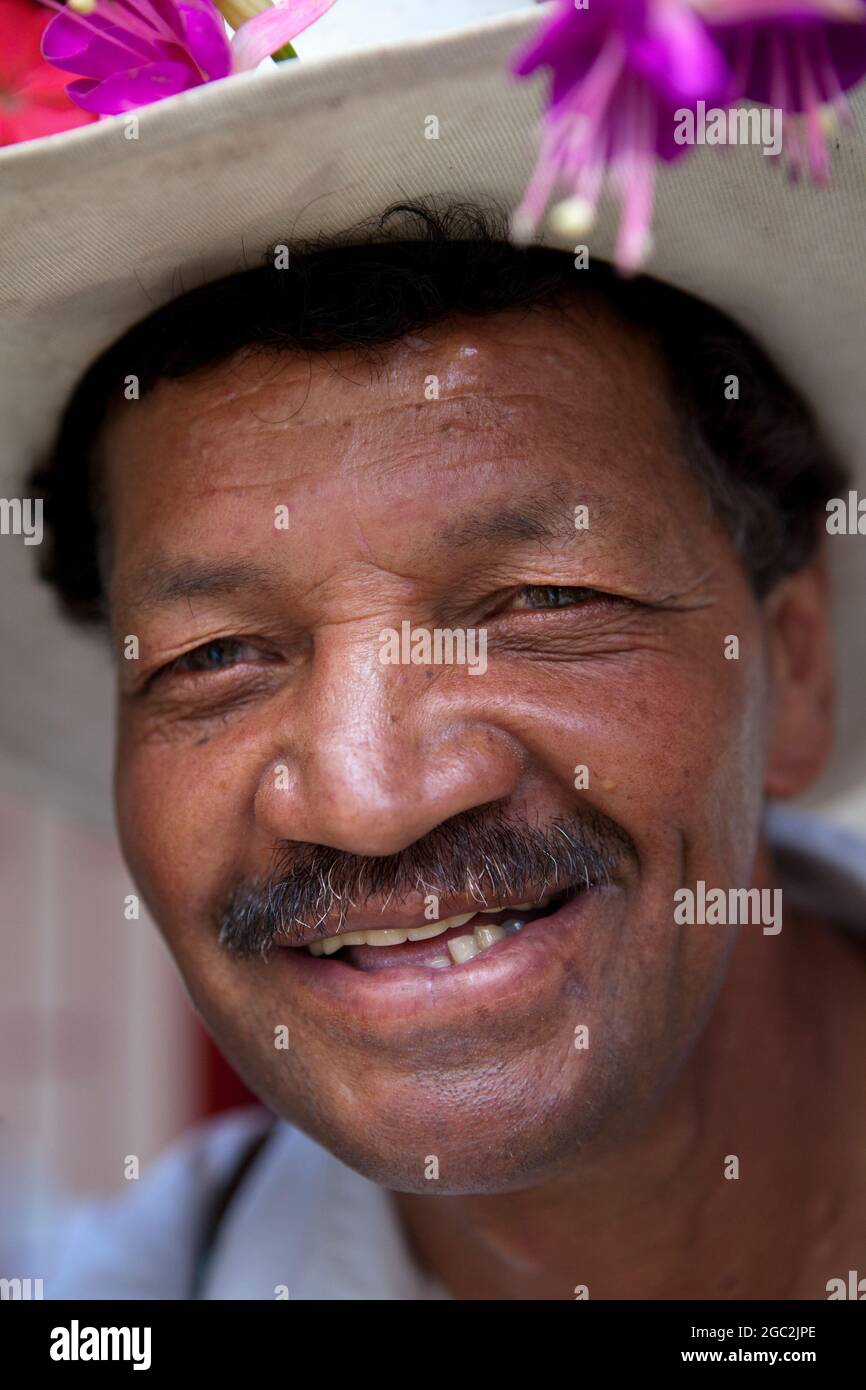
(33, 98)
(619, 71)
(799, 57)
(130, 53)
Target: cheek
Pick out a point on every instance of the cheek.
(674, 747)
(652, 728)
(180, 817)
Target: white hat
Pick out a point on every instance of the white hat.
(98, 229)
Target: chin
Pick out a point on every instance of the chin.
(472, 1131)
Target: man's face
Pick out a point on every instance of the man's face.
(438, 489)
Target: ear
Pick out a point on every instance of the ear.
(801, 677)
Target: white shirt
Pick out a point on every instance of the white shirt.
(304, 1226)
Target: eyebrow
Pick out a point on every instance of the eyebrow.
(549, 516)
(172, 581)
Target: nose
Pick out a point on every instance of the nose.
(370, 758)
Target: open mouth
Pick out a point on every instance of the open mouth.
(517, 956)
(441, 945)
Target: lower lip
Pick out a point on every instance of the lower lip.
(512, 971)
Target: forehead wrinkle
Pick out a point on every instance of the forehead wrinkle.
(492, 412)
(466, 406)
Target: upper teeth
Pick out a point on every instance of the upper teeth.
(461, 948)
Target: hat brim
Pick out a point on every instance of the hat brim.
(98, 229)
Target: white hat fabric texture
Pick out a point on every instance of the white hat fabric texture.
(98, 229)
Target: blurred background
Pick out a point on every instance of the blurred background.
(101, 1053)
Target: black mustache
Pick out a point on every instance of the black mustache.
(481, 854)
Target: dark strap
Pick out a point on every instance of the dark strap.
(220, 1204)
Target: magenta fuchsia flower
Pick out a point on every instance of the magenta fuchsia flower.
(622, 69)
(619, 71)
(800, 58)
(130, 53)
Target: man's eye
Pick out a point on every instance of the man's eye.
(555, 596)
(218, 655)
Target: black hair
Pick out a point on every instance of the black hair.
(765, 467)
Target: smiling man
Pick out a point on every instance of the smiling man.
(430, 912)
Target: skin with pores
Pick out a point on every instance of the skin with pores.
(704, 1040)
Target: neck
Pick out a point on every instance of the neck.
(658, 1218)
